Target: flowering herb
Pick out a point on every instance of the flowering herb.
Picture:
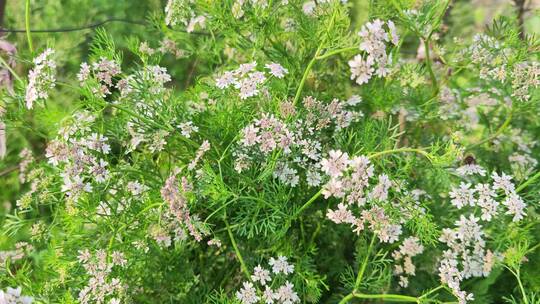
(276, 152)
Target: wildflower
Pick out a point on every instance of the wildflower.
(341, 215)
(335, 164)
(334, 187)
(225, 80)
(193, 22)
(394, 38)
(462, 196)
(269, 295)
(361, 69)
(277, 70)
(13, 295)
(187, 128)
(99, 171)
(247, 294)
(281, 265)
(471, 169)
(136, 188)
(205, 146)
(74, 186)
(41, 79)
(261, 275)
(286, 294)
(309, 7)
(503, 182)
(515, 206)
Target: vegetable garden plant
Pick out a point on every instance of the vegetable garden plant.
(259, 151)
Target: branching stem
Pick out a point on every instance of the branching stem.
(312, 62)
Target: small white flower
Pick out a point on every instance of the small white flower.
(247, 294)
(361, 69)
(261, 275)
(281, 265)
(277, 70)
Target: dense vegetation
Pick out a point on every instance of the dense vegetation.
(259, 151)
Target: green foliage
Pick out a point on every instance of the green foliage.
(139, 174)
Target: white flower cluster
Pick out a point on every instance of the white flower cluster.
(180, 11)
(248, 80)
(349, 180)
(104, 70)
(484, 195)
(311, 8)
(41, 79)
(239, 6)
(79, 152)
(22, 249)
(404, 266)
(102, 286)
(374, 39)
(14, 296)
(466, 256)
(284, 294)
(299, 141)
(492, 59)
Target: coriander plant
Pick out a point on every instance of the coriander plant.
(260, 151)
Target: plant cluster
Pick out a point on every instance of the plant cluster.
(276, 152)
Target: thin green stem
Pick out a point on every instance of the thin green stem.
(346, 299)
(499, 131)
(528, 182)
(399, 150)
(432, 291)
(430, 68)
(307, 204)
(384, 297)
(6, 65)
(306, 72)
(312, 62)
(336, 52)
(364, 265)
(27, 24)
(236, 251)
(525, 299)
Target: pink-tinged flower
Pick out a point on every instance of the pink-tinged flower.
(462, 196)
(515, 206)
(361, 69)
(341, 215)
(226, 80)
(335, 164)
(286, 295)
(281, 265)
(276, 69)
(261, 275)
(503, 182)
(334, 187)
(394, 37)
(250, 137)
(247, 294)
